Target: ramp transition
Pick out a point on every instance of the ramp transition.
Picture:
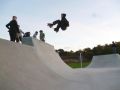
(39, 67)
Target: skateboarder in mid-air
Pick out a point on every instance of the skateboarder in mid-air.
(63, 23)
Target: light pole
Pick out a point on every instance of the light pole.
(81, 60)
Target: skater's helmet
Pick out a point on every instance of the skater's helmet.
(63, 15)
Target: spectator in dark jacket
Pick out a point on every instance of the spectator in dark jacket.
(13, 28)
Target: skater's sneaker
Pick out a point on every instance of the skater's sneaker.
(56, 30)
(50, 25)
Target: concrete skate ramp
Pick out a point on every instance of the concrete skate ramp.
(39, 67)
(105, 61)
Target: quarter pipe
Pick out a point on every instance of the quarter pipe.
(38, 67)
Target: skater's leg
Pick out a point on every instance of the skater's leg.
(58, 25)
(54, 23)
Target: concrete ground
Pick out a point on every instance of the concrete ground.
(36, 66)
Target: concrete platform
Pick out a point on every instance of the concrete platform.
(39, 67)
(105, 61)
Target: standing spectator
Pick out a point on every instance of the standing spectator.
(13, 28)
(35, 34)
(114, 47)
(42, 36)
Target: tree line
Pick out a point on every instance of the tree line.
(88, 53)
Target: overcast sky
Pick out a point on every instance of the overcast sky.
(92, 22)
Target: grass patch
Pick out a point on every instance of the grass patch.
(78, 65)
